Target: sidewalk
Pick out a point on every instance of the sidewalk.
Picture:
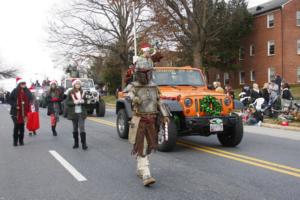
(277, 126)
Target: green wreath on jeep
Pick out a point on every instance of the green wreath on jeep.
(211, 106)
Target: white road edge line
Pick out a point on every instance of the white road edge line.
(76, 174)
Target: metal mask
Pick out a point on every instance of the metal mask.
(143, 76)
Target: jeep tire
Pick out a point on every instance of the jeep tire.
(169, 145)
(122, 124)
(233, 136)
(100, 108)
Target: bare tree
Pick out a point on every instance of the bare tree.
(8, 73)
(197, 24)
(91, 28)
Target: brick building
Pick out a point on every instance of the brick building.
(273, 47)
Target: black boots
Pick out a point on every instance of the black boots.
(18, 135)
(15, 140)
(54, 130)
(76, 140)
(21, 138)
(83, 140)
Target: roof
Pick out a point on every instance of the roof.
(266, 7)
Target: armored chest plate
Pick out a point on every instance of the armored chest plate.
(149, 99)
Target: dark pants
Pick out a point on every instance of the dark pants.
(78, 123)
(19, 130)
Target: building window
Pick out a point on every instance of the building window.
(242, 78)
(226, 78)
(298, 74)
(271, 48)
(270, 21)
(241, 53)
(271, 74)
(298, 18)
(252, 50)
(252, 76)
(298, 47)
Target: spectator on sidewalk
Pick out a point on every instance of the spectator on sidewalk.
(278, 81)
(218, 88)
(229, 91)
(255, 92)
(286, 93)
(266, 93)
(256, 117)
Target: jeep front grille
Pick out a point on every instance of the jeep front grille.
(198, 104)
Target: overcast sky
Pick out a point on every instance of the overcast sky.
(22, 37)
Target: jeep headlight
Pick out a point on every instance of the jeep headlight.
(95, 94)
(188, 102)
(227, 101)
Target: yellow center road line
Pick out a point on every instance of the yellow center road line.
(242, 156)
(241, 160)
(101, 121)
(225, 154)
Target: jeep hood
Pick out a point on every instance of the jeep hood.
(174, 91)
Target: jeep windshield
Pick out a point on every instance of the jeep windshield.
(86, 83)
(178, 77)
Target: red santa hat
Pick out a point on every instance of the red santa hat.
(53, 82)
(32, 89)
(145, 47)
(75, 81)
(20, 80)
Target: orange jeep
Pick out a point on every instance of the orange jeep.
(195, 109)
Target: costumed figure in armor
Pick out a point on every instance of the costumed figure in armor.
(149, 113)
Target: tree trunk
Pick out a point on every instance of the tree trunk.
(197, 59)
(123, 74)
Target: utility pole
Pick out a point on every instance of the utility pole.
(134, 31)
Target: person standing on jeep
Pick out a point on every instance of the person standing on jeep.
(54, 99)
(145, 98)
(76, 102)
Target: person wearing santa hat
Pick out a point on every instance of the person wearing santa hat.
(54, 99)
(19, 100)
(76, 102)
(145, 61)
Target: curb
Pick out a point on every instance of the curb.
(290, 128)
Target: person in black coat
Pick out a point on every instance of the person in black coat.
(19, 100)
(255, 93)
(278, 81)
(255, 117)
(265, 93)
(286, 93)
(54, 99)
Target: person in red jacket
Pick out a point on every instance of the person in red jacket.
(19, 100)
(54, 99)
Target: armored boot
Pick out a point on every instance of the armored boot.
(54, 130)
(76, 140)
(83, 140)
(143, 163)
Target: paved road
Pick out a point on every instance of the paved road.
(265, 166)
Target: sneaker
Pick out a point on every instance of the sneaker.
(30, 134)
(148, 181)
